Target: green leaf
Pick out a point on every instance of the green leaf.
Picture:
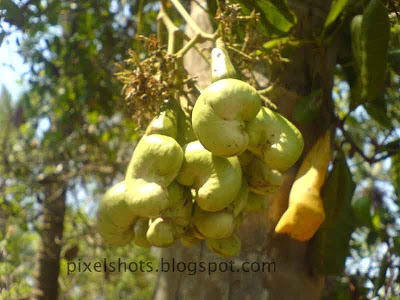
(396, 245)
(352, 122)
(395, 173)
(93, 117)
(380, 280)
(356, 33)
(395, 36)
(362, 211)
(330, 247)
(274, 43)
(372, 237)
(376, 221)
(377, 109)
(12, 12)
(275, 16)
(10, 7)
(284, 41)
(370, 43)
(393, 146)
(278, 14)
(336, 8)
(337, 191)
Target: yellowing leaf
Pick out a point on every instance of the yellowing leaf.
(336, 8)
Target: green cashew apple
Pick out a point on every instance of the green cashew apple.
(180, 205)
(256, 203)
(166, 123)
(226, 247)
(217, 180)
(197, 234)
(115, 219)
(189, 240)
(214, 225)
(140, 230)
(180, 215)
(185, 129)
(160, 233)
(239, 219)
(183, 216)
(274, 139)
(245, 158)
(146, 199)
(173, 122)
(262, 179)
(157, 158)
(221, 114)
(154, 165)
(176, 195)
(241, 199)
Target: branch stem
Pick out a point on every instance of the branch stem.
(182, 11)
(240, 53)
(171, 28)
(188, 46)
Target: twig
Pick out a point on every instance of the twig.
(387, 135)
(171, 28)
(220, 29)
(160, 29)
(140, 17)
(268, 103)
(267, 90)
(349, 139)
(195, 46)
(173, 32)
(203, 35)
(188, 46)
(207, 60)
(248, 29)
(240, 53)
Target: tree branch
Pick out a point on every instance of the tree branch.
(188, 46)
(182, 11)
(349, 139)
(171, 28)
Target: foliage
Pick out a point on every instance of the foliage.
(70, 127)
(67, 128)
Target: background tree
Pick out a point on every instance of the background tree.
(69, 113)
(71, 142)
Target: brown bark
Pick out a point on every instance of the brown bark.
(51, 236)
(309, 68)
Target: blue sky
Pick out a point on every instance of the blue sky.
(14, 75)
(12, 67)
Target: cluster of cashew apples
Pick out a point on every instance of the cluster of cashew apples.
(195, 179)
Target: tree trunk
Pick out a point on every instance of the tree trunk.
(290, 276)
(50, 248)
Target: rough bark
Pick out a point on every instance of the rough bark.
(51, 236)
(3, 253)
(292, 278)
